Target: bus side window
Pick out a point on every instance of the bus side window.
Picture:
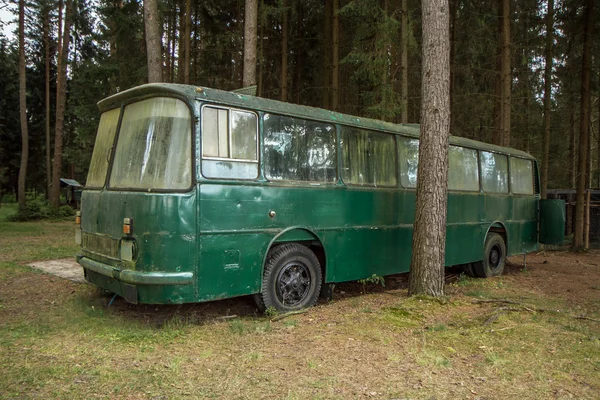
(521, 176)
(463, 173)
(368, 158)
(299, 150)
(409, 161)
(229, 143)
(494, 172)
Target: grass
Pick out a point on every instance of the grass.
(59, 339)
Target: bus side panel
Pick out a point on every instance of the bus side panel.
(375, 235)
(358, 228)
(464, 229)
(522, 229)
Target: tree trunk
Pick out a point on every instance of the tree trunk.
(261, 51)
(22, 109)
(429, 236)
(167, 49)
(327, 52)
(250, 21)
(547, 96)
(61, 100)
(284, 52)
(47, 56)
(506, 73)
(584, 125)
(186, 41)
(404, 64)
(335, 73)
(153, 41)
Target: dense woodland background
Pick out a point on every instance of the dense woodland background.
(360, 57)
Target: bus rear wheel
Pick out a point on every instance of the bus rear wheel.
(494, 257)
(292, 279)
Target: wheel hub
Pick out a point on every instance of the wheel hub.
(293, 283)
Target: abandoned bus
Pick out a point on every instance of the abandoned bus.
(195, 194)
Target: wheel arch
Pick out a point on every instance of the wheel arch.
(499, 228)
(301, 235)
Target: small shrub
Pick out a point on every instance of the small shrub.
(37, 208)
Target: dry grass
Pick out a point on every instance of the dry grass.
(58, 339)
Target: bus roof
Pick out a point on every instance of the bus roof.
(191, 92)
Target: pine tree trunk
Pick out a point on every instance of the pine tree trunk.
(261, 51)
(186, 41)
(153, 41)
(547, 96)
(429, 236)
(506, 73)
(284, 52)
(167, 49)
(61, 100)
(250, 22)
(327, 52)
(22, 109)
(584, 124)
(335, 73)
(47, 89)
(404, 64)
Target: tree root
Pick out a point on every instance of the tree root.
(522, 307)
(288, 314)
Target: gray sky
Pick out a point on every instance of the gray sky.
(6, 16)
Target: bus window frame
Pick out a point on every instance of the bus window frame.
(533, 172)
(111, 150)
(508, 184)
(193, 120)
(258, 160)
(336, 134)
(369, 186)
(478, 170)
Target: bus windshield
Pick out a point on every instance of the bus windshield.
(154, 148)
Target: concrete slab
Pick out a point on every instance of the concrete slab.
(65, 268)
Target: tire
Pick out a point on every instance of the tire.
(292, 279)
(494, 257)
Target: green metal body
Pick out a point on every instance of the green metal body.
(211, 242)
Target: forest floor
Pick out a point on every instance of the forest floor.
(532, 333)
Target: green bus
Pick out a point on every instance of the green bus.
(195, 194)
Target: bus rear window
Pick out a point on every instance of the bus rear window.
(104, 141)
(154, 148)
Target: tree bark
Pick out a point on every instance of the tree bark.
(186, 41)
(506, 73)
(47, 89)
(261, 52)
(250, 22)
(153, 41)
(404, 64)
(547, 96)
(284, 52)
(327, 52)
(22, 109)
(584, 125)
(61, 100)
(429, 236)
(335, 73)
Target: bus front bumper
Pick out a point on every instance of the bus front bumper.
(129, 280)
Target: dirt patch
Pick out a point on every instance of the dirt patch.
(65, 268)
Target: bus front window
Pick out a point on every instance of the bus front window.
(154, 148)
(104, 142)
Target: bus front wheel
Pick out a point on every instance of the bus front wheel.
(494, 257)
(292, 279)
